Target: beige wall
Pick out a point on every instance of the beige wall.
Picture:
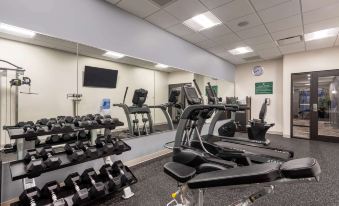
(245, 86)
(323, 59)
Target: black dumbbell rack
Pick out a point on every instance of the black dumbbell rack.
(67, 193)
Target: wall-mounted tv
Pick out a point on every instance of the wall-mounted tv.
(99, 77)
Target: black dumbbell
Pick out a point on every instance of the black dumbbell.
(82, 135)
(28, 129)
(49, 160)
(74, 153)
(98, 188)
(38, 128)
(20, 124)
(64, 125)
(119, 145)
(69, 119)
(50, 190)
(90, 116)
(106, 148)
(81, 195)
(43, 121)
(30, 196)
(67, 137)
(114, 182)
(87, 148)
(35, 165)
(54, 138)
(53, 125)
(126, 176)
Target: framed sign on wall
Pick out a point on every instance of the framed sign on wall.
(264, 88)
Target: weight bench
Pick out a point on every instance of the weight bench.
(272, 173)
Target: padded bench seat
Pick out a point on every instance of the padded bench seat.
(179, 172)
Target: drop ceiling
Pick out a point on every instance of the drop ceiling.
(267, 22)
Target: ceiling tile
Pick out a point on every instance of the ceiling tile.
(252, 20)
(285, 23)
(264, 4)
(140, 8)
(234, 59)
(218, 50)
(329, 23)
(227, 39)
(206, 44)
(269, 53)
(194, 37)
(309, 5)
(259, 40)
(292, 48)
(252, 32)
(286, 9)
(287, 33)
(211, 4)
(233, 10)
(216, 31)
(180, 30)
(269, 45)
(321, 14)
(113, 1)
(321, 43)
(162, 19)
(185, 9)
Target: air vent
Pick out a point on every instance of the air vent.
(162, 3)
(290, 40)
(252, 58)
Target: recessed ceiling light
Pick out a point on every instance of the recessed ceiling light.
(113, 55)
(202, 21)
(325, 33)
(240, 50)
(17, 31)
(161, 66)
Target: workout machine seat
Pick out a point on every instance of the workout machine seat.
(269, 172)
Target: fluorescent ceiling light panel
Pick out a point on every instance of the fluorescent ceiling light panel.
(17, 31)
(114, 55)
(161, 66)
(321, 34)
(240, 50)
(202, 21)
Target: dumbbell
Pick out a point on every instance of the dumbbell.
(82, 121)
(114, 182)
(53, 125)
(87, 148)
(82, 135)
(126, 176)
(104, 146)
(30, 196)
(119, 145)
(54, 138)
(49, 160)
(90, 116)
(81, 195)
(42, 121)
(67, 137)
(38, 128)
(74, 153)
(50, 190)
(98, 188)
(28, 129)
(65, 125)
(35, 165)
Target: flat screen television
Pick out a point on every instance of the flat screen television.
(99, 77)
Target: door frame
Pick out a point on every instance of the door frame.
(313, 100)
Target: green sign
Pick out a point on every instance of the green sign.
(214, 88)
(264, 88)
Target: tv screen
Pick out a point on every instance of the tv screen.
(98, 77)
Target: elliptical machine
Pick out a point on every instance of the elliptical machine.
(138, 108)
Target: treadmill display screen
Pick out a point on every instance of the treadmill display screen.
(98, 77)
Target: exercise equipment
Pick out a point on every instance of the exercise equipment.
(35, 165)
(89, 150)
(192, 185)
(114, 182)
(138, 108)
(54, 138)
(117, 144)
(126, 176)
(107, 147)
(81, 195)
(49, 160)
(50, 190)
(98, 188)
(30, 196)
(74, 153)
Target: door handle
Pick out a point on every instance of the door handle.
(315, 107)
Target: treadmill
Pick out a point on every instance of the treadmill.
(256, 152)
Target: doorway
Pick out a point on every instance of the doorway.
(315, 105)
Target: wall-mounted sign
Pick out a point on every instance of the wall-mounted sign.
(214, 88)
(264, 88)
(258, 70)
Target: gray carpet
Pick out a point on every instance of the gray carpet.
(154, 187)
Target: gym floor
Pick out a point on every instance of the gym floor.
(154, 187)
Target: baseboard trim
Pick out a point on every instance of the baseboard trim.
(275, 132)
(147, 158)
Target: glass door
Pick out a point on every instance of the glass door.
(325, 106)
(300, 105)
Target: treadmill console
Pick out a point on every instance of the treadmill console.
(139, 97)
(191, 95)
(174, 95)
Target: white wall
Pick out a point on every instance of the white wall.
(245, 86)
(99, 24)
(317, 60)
(179, 77)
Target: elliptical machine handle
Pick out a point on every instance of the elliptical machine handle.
(125, 95)
(198, 89)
